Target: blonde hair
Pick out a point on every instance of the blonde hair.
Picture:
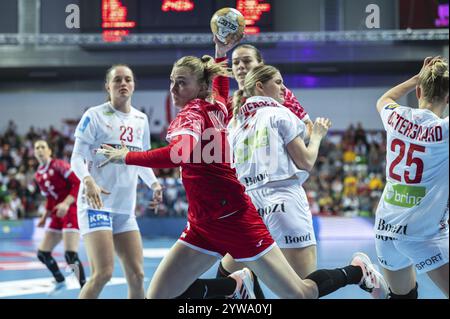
(433, 80)
(108, 75)
(204, 69)
(261, 73)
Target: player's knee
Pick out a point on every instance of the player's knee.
(71, 257)
(413, 294)
(44, 256)
(102, 276)
(137, 278)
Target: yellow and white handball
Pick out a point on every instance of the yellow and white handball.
(228, 23)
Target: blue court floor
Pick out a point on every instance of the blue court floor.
(22, 276)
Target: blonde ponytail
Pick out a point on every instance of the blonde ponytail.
(434, 80)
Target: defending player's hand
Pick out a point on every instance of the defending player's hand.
(41, 222)
(93, 192)
(61, 209)
(157, 197)
(321, 126)
(113, 155)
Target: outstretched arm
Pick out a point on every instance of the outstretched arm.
(173, 155)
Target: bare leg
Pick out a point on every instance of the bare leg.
(440, 278)
(51, 239)
(281, 278)
(303, 260)
(100, 251)
(402, 281)
(177, 271)
(128, 246)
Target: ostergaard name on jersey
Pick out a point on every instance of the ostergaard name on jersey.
(414, 131)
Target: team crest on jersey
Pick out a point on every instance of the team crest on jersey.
(391, 106)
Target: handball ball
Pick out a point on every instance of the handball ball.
(228, 23)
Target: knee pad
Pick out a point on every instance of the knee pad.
(71, 257)
(413, 294)
(44, 256)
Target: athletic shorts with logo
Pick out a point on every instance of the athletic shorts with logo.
(396, 254)
(68, 223)
(242, 234)
(92, 220)
(284, 207)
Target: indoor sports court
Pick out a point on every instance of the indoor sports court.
(337, 59)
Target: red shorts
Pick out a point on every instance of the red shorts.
(243, 235)
(66, 223)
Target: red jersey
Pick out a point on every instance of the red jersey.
(56, 181)
(212, 189)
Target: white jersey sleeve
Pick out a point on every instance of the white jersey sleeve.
(86, 128)
(289, 126)
(386, 112)
(145, 173)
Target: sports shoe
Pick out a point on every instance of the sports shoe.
(372, 281)
(244, 287)
(57, 288)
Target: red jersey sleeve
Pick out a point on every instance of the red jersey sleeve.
(175, 154)
(74, 184)
(291, 102)
(221, 84)
(63, 168)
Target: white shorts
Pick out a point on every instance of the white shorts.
(284, 207)
(91, 220)
(424, 255)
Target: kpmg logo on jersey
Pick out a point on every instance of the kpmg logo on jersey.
(85, 124)
(391, 106)
(404, 195)
(98, 218)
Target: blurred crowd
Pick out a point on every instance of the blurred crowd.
(347, 180)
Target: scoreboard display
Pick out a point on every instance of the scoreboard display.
(118, 18)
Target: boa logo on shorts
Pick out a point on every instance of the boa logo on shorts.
(98, 219)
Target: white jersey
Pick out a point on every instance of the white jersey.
(415, 200)
(104, 125)
(259, 137)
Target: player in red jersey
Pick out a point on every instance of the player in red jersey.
(245, 58)
(60, 186)
(221, 217)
